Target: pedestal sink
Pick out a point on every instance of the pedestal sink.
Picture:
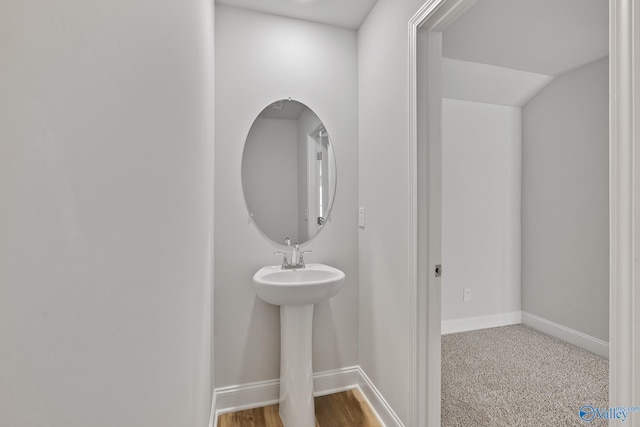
(296, 291)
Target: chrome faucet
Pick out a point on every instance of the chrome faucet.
(297, 256)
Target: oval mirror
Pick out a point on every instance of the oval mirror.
(288, 172)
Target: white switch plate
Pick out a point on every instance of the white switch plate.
(361, 217)
(466, 297)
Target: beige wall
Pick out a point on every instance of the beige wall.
(260, 59)
(106, 183)
(383, 185)
(481, 172)
(565, 201)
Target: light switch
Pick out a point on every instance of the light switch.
(361, 217)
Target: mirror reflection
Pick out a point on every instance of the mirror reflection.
(288, 172)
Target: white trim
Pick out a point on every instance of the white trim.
(335, 381)
(246, 396)
(263, 393)
(312, 185)
(424, 228)
(213, 419)
(577, 338)
(378, 403)
(624, 161)
(481, 322)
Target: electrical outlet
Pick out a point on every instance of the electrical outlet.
(466, 296)
(361, 214)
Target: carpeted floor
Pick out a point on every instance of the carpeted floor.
(517, 376)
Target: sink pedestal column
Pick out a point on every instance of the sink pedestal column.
(296, 370)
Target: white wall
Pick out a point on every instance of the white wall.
(269, 167)
(106, 182)
(383, 187)
(262, 58)
(481, 147)
(565, 202)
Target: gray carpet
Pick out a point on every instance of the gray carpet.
(517, 376)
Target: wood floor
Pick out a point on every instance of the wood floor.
(346, 409)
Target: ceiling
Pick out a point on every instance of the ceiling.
(490, 84)
(547, 37)
(542, 36)
(342, 13)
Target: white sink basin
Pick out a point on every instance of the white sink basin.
(296, 291)
(310, 285)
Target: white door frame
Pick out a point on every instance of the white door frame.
(425, 163)
(624, 199)
(312, 186)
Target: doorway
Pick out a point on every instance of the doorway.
(319, 179)
(425, 93)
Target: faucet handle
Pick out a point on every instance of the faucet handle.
(301, 257)
(284, 257)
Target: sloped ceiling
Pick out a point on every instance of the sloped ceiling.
(547, 37)
(489, 84)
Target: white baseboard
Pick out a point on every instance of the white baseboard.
(246, 396)
(264, 393)
(480, 322)
(213, 419)
(577, 338)
(335, 381)
(378, 403)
